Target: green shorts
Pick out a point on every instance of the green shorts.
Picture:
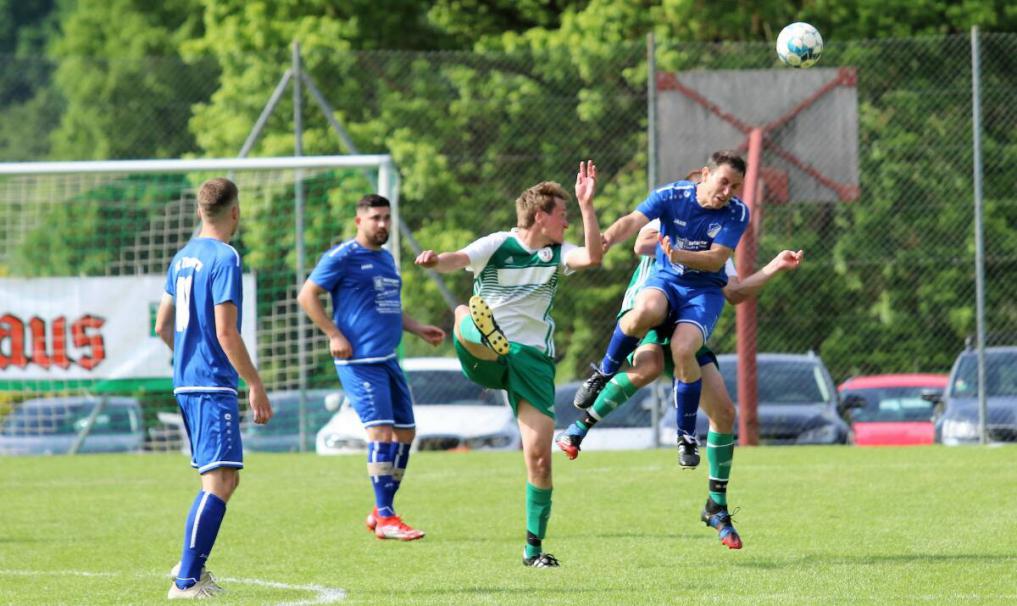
(704, 356)
(526, 373)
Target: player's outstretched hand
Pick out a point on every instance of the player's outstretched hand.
(787, 259)
(586, 182)
(339, 346)
(427, 258)
(260, 405)
(431, 334)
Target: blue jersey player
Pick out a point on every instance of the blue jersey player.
(700, 226)
(199, 319)
(363, 333)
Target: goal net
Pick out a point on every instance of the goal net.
(84, 248)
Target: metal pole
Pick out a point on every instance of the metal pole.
(298, 218)
(252, 137)
(651, 112)
(745, 313)
(403, 230)
(79, 441)
(976, 125)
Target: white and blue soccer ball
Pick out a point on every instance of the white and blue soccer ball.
(799, 45)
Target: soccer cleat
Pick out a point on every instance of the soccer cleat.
(205, 588)
(688, 451)
(543, 560)
(392, 527)
(569, 442)
(722, 521)
(587, 393)
(372, 519)
(490, 332)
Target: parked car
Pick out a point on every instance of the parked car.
(629, 427)
(452, 413)
(959, 422)
(796, 397)
(282, 433)
(52, 426)
(893, 409)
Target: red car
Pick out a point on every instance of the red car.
(889, 410)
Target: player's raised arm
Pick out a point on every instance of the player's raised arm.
(622, 229)
(442, 262)
(591, 254)
(737, 290)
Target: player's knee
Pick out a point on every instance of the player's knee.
(539, 466)
(722, 415)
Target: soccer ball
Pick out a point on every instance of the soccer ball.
(799, 45)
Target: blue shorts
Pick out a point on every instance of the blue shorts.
(212, 421)
(379, 393)
(699, 305)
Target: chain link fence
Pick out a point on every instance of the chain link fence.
(888, 285)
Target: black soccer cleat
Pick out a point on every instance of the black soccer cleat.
(717, 517)
(688, 451)
(544, 560)
(587, 393)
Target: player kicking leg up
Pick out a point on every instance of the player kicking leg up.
(199, 319)
(504, 339)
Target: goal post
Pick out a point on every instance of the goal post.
(84, 248)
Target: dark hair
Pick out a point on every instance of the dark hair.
(542, 196)
(216, 195)
(730, 157)
(372, 201)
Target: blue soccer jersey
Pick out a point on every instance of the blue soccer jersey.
(205, 273)
(366, 299)
(694, 228)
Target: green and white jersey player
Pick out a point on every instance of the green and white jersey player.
(653, 357)
(505, 338)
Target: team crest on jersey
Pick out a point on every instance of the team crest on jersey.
(713, 230)
(545, 254)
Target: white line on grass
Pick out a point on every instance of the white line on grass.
(325, 595)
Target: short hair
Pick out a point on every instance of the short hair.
(542, 196)
(372, 201)
(730, 157)
(216, 195)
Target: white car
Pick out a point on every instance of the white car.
(452, 413)
(630, 427)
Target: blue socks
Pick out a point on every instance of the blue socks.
(618, 349)
(399, 462)
(202, 527)
(686, 400)
(379, 468)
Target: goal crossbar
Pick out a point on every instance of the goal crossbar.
(183, 165)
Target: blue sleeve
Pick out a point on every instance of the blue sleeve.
(734, 227)
(227, 283)
(171, 283)
(329, 270)
(653, 205)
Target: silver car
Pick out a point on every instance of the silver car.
(55, 425)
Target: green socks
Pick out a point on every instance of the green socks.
(538, 512)
(719, 454)
(615, 393)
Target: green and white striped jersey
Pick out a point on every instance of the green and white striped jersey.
(519, 285)
(647, 263)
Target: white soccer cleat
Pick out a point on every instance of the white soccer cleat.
(206, 587)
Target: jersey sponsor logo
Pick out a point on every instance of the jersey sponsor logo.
(713, 230)
(545, 254)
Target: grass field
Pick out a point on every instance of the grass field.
(835, 525)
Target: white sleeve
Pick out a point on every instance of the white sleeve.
(652, 225)
(566, 248)
(729, 268)
(480, 251)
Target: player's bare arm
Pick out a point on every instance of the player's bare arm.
(443, 262)
(233, 345)
(737, 290)
(646, 242)
(427, 332)
(701, 260)
(164, 319)
(591, 254)
(623, 229)
(310, 300)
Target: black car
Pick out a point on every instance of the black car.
(797, 400)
